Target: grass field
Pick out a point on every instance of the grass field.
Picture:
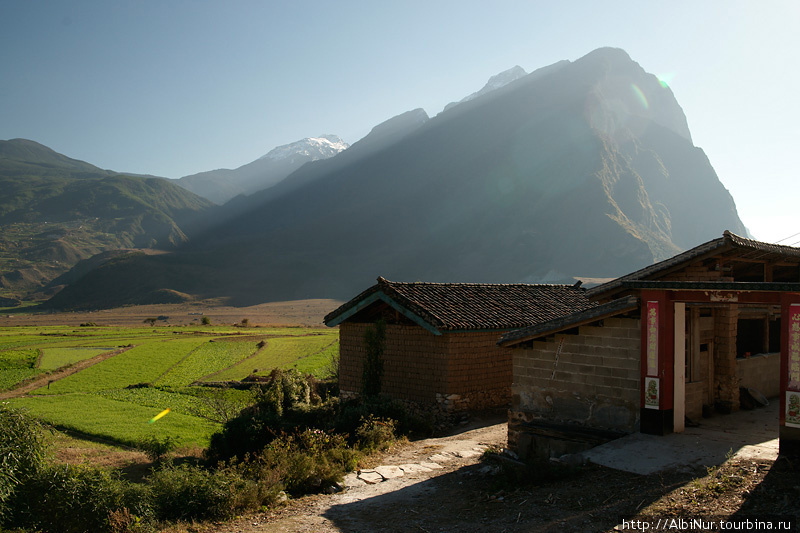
(115, 399)
(310, 354)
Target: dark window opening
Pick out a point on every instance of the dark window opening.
(775, 335)
(749, 337)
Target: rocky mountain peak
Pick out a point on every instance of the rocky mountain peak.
(315, 148)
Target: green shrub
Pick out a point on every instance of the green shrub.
(22, 451)
(352, 413)
(375, 434)
(309, 461)
(157, 449)
(191, 492)
(75, 499)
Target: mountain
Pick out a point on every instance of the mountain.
(221, 185)
(579, 169)
(494, 83)
(56, 211)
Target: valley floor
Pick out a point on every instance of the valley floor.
(290, 313)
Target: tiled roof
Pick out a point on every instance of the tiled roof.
(469, 306)
(592, 314)
(729, 241)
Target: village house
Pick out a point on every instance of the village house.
(661, 346)
(441, 348)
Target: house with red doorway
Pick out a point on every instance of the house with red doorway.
(661, 346)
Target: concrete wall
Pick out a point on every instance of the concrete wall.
(593, 382)
(761, 372)
(452, 372)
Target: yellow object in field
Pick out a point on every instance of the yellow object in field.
(159, 415)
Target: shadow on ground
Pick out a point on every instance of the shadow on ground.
(472, 499)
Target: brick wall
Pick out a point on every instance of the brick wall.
(593, 382)
(479, 371)
(452, 372)
(761, 372)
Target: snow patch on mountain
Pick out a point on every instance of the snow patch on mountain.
(315, 148)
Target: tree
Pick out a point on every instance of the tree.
(205, 320)
(150, 320)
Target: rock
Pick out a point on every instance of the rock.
(370, 477)
(441, 458)
(412, 468)
(389, 472)
(352, 480)
(466, 454)
(572, 459)
(432, 466)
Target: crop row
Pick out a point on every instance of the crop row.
(53, 358)
(280, 352)
(142, 364)
(208, 358)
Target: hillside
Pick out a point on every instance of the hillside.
(56, 211)
(580, 169)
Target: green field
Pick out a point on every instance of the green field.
(155, 369)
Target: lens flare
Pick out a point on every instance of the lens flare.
(665, 79)
(640, 96)
(159, 415)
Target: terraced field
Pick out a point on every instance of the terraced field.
(140, 372)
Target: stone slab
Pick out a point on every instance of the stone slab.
(389, 471)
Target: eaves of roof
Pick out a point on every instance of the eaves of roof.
(612, 308)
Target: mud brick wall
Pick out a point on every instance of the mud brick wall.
(594, 382)
(478, 372)
(761, 372)
(449, 372)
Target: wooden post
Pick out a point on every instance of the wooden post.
(679, 365)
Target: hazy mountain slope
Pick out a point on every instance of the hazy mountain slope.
(221, 185)
(55, 211)
(584, 169)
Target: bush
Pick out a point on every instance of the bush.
(309, 461)
(353, 412)
(157, 449)
(22, 451)
(283, 403)
(375, 434)
(68, 498)
(190, 492)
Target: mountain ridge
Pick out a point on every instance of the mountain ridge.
(582, 168)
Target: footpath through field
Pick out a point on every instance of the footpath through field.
(45, 379)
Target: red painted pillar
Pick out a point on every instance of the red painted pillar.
(657, 385)
(790, 375)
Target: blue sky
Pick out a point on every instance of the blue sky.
(176, 87)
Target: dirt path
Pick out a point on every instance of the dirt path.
(44, 379)
(464, 494)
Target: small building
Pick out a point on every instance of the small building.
(661, 346)
(441, 338)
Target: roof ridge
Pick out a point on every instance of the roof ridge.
(383, 280)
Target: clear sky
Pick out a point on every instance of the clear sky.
(171, 88)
